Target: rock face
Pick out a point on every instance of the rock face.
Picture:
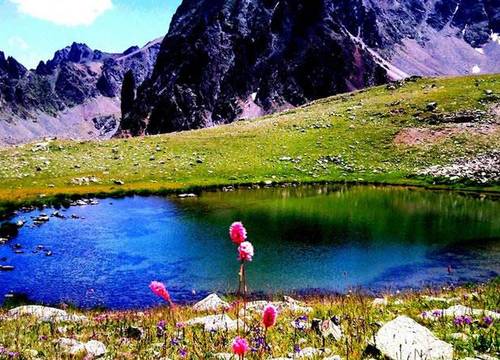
(404, 338)
(74, 95)
(225, 60)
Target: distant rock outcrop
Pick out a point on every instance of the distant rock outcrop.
(76, 94)
(225, 60)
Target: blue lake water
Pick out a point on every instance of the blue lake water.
(328, 238)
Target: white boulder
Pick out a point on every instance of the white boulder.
(211, 303)
(404, 338)
(43, 313)
(216, 322)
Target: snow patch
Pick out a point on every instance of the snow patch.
(479, 50)
(476, 69)
(495, 37)
(253, 96)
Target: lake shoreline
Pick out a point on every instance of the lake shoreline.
(7, 207)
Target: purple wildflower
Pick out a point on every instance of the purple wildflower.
(183, 352)
(296, 348)
(458, 321)
(160, 328)
(488, 320)
(437, 313)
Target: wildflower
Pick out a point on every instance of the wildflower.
(458, 321)
(269, 316)
(487, 320)
(296, 348)
(238, 233)
(183, 352)
(245, 251)
(424, 315)
(300, 323)
(467, 320)
(160, 328)
(437, 313)
(160, 290)
(240, 346)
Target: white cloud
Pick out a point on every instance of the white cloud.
(18, 43)
(64, 12)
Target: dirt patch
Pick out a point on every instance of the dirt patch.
(471, 122)
(422, 136)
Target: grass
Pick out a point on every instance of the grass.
(357, 129)
(359, 320)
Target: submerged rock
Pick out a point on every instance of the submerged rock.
(404, 338)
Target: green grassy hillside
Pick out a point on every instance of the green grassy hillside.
(381, 135)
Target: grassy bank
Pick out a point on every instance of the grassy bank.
(352, 138)
(136, 335)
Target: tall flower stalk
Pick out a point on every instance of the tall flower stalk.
(238, 235)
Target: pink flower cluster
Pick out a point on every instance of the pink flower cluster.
(238, 235)
(269, 316)
(240, 346)
(160, 290)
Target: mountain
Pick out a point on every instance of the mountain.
(76, 94)
(224, 60)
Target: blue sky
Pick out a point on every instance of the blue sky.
(32, 30)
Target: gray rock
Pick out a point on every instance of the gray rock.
(404, 338)
(92, 349)
(309, 353)
(43, 313)
(460, 310)
(211, 303)
(216, 323)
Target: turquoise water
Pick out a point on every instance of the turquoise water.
(330, 238)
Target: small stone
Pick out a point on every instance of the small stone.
(184, 196)
(380, 302)
(431, 106)
(119, 182)
(95, 348)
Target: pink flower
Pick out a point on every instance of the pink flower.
(238, 233)
(245, 251)
(240, 346)
(160, 290)
(269, 316)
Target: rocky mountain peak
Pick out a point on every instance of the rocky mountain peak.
(223, 60)
(75, 94)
